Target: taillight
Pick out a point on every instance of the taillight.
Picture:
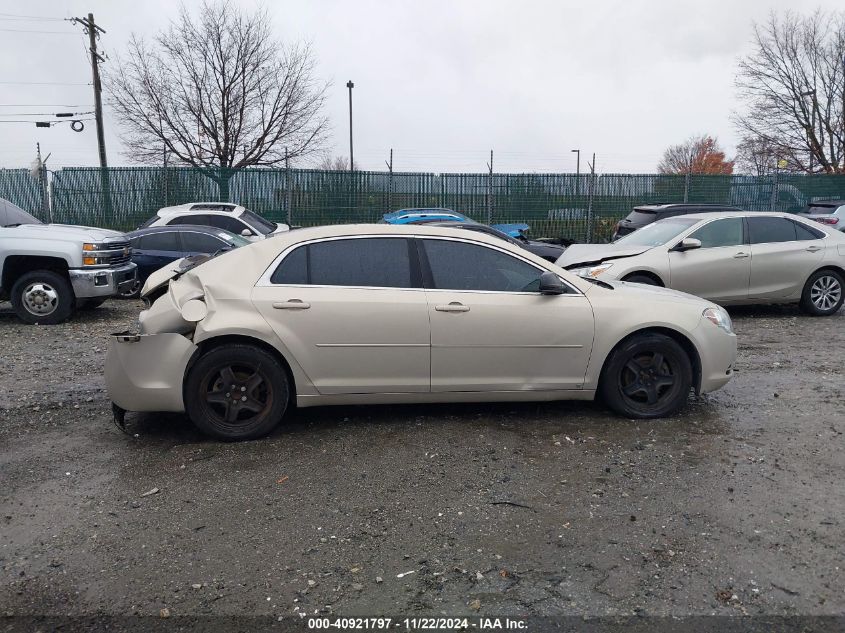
(827, 220)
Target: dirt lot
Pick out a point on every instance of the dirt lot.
(734, 507)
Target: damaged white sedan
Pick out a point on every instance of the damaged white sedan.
(367, 314)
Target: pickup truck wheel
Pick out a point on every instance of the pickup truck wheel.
(236, 392)
(648, 376)
(42, 296)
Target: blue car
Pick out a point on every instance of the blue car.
(155, 247)
(421, 216)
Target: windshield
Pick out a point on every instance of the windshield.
(12, 215)
(657, 233)
(263, 225)
(235, 240)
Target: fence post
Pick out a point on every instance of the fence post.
(390, 182)
(590, 192)
(686, 186)
(288, 189)
(490, 189)
(775, 184)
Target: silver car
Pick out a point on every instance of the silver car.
(728, 258)
(831, 213)
(367, 314)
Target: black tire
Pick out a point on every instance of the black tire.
(823, 293)
(641, 279)
(647, 376)
(43, 297)
(91, 303)
(217, 376)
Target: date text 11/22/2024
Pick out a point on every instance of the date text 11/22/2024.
(383, 623)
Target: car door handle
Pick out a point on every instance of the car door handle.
(813, 249)
(291, 304)
(452, 307)
(740, 255)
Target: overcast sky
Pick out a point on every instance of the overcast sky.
(441, 82)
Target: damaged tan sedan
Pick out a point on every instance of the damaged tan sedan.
(366, 314)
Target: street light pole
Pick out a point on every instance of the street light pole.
(577, 173)
(350, 85)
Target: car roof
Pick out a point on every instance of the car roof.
(732, 214)
(680, 206)
(201, 207)
(193, 228)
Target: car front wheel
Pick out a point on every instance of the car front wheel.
(236, 392)
(823, 293)
(647, 376)
(43, 296)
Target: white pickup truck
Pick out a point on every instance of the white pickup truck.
(49, 270)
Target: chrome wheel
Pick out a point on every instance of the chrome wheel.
(40, 299)
(826, 292)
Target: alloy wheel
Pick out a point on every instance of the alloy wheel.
(825, 292)
(236, 394)
(647, 379)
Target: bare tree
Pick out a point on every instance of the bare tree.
(218, 92)
(793, 85)
(335, 163)
(755, 156)
(696, 155)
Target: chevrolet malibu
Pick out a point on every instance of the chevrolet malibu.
(731, 258)
(365, 314)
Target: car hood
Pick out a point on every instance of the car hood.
(644, 292)
(588, 253)
(66, 232)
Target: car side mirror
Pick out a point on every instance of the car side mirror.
(550, 284)
(688, 244)
(247, 233)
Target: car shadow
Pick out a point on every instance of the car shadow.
(513, 417)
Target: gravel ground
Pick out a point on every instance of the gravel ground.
(733, 507)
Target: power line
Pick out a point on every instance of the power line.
(42, 83)
(31, 17)
(64, 114)
(44, 105)
(32, 31)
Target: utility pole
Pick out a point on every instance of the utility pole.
(490, 189)
(42, 181)
(390, 181)
(577, 153)
(350, 85)
(96, 59)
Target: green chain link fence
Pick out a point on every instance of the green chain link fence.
(579, 207)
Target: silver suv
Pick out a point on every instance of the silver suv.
(831, 213)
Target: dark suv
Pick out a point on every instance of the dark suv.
(648, 213)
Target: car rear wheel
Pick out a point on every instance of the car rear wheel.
(236, 392)
(823, 293)
(648, 376)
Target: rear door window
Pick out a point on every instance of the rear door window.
(363, 262)
(769, 230)
(166, 241)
